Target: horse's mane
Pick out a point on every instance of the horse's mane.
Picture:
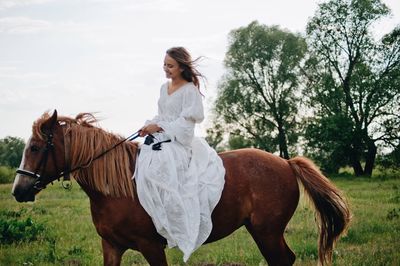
(110, 174)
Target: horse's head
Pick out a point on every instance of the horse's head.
(43, 159)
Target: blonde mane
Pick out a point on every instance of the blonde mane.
(110, 174)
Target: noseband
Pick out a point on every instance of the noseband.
(41, 181)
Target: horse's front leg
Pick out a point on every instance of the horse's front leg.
(111, 254)
(153, 252)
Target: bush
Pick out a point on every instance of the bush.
(7, 174)
(11, 150)
(14, 231)
(383, 173)
(12, 213)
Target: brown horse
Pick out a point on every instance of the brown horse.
(261, 191)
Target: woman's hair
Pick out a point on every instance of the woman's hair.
(189, 73)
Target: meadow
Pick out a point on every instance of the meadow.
(57, 230)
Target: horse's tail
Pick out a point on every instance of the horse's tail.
(332, 210)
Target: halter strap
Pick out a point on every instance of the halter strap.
(41, 182)
(67, 156)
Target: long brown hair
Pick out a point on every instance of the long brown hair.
(184, 59)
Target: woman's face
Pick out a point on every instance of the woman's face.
(171, 68)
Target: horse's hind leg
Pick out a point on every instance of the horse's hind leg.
(272, 246)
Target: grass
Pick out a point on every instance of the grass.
(70, 238)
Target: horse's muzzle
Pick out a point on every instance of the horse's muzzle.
(23, 195)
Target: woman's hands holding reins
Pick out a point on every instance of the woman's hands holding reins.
(149, 129)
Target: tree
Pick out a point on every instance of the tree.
(355, 78)
(215, 136)
(257, 98)
(390, 160)
(11, 149)
(328, 139)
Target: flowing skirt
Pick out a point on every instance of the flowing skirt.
(179, 186)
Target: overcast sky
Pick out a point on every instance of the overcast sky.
(106, 56)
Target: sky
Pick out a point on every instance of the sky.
(106, 56)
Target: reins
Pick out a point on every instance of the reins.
(68, 172)
(130, 138)
(40, 183)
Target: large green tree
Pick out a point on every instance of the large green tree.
(353, 82)
(11, 149)
(257, 100)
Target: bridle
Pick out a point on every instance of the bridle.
(41, 181)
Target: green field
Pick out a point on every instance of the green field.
(61, 232)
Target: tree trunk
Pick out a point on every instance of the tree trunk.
(356, 151)
(283, 149)
(356, 163)
(370, 158)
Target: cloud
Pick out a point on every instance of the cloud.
(24, 76)
(26, 25)
(5, 4)
(10, 72)
(157, 5)
(23, 25)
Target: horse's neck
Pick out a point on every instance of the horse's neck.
(94, 180)
(90, 192)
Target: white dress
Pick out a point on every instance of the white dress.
(180, 185)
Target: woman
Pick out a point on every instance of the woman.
(179, 177)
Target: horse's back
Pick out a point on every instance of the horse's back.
(257, 169)
(256, 159)
(258, 184)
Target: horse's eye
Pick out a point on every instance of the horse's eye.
(34, 148)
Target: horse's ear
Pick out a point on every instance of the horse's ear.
(48, 126)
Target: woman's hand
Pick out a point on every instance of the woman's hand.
(149, 129)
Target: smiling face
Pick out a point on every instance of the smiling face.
(171, 68)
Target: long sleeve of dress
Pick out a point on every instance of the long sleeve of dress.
(182, 128)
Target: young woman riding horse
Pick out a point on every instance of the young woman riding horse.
(261, 192)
